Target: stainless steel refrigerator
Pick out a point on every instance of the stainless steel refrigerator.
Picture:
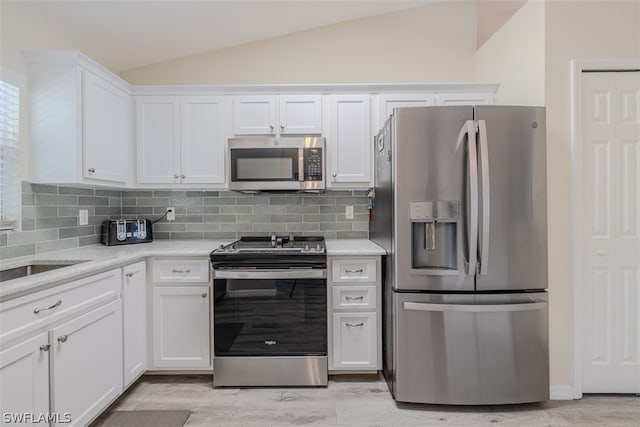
(460, 206)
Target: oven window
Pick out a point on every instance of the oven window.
(264, 164)
(270, 317)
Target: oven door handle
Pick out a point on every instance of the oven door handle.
(289, 273)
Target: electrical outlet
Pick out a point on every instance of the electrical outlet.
(171, 214)
(83, 217)
(348, 213)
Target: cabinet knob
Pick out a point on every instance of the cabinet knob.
(271, 127)
(45, 347)
(130, 274)
(91, 170)
(175, 176)
(281, 127)
(204, 295)
(63, 338)
(334, 175)
(182, 176)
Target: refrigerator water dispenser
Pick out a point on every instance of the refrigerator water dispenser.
(434, 235)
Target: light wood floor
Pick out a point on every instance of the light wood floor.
(358, 401)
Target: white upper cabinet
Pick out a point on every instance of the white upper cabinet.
(80, 118)
(480, 98)
(349, 139)
(387, 102)
(106, 129)
(277, 115)
(180, 140)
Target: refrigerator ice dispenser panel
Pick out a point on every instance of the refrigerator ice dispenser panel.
(434, 235)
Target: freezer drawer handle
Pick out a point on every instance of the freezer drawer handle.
(468, 308)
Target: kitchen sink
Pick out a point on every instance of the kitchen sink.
(35, 268)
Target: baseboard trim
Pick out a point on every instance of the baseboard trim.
(561, 392)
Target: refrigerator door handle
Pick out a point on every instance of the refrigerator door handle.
(469, 129)
(480, 308)
(483, 152)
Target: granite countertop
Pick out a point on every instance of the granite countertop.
(101, 258)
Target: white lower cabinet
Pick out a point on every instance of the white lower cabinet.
(86, 363)
(354, 340)
(134, 321)
(24, 380)
(181, 326)
(61, 352)
(355, 317)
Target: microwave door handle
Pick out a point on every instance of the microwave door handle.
(483, 154)
(300, 164)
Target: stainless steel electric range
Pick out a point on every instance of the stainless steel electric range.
(270, 312)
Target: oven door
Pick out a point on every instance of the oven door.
(270, 312)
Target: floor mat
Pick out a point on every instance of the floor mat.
(145, 418)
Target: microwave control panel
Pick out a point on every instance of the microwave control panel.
(313, 167)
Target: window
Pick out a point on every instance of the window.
(10, 189)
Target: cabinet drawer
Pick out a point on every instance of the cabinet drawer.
(354, 341)
(181, 270)
(354, 297)
(353, 270)
(21, 315)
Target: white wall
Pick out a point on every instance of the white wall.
(514, 57)
(434, 43)
(574, 30)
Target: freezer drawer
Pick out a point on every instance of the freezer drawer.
(471, 349)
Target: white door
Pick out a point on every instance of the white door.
(611, 232)
(254, 115)
(86, 364)
(24, 380)
(203, 142)
(181, 332)
(354, 341)
(300, 114)
(158, 139)
(134, 321)
(350, 142)
(105, 130)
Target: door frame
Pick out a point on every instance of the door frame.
(577, 68)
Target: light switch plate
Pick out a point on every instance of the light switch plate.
(83, 217)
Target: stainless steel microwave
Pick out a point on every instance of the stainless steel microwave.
(263, 164)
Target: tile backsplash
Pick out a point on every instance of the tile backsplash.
(50, 215)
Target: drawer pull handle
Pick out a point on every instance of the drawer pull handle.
(63, 338)
(45, 347)
(130, 274)
(354, 271)
(354, 325)
(348, 298)
(38, 310)
(181, 271)
(204, 295)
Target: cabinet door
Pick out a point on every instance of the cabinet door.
(254, 115)
(24, 379)
(464, 99)
(203, 143)
(300, 114)
(350, 140)
(105, 130)
(354, 341)
(86, 363)
(388, 102)
(181, 331)
(158, 139)
(134, 321)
